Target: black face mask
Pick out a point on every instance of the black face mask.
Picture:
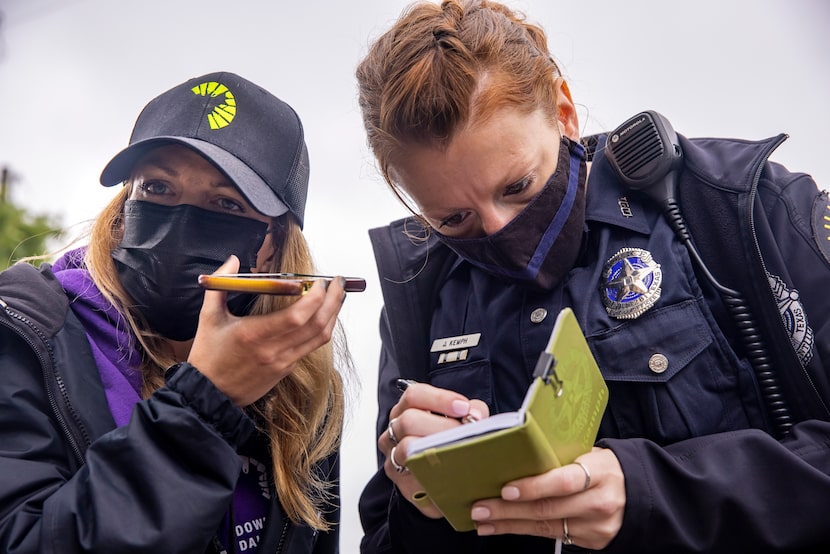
(166, 248)
(540, 245)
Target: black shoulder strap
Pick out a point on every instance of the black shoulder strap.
(410, 270)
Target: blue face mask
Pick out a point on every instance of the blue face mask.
(540, 245)
(164, 250)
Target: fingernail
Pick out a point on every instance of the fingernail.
(480, 513)
(510, 493)
(342, 281)
(476, 414)
(485, 529)
(460, 408)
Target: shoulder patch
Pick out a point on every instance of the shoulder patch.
(794, 318)
(821, 224)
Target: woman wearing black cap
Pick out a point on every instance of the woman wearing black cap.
(139, 413)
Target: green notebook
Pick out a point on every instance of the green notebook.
(558, 422)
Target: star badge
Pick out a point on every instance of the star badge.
(630, 283)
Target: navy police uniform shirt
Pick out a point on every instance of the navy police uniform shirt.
(666, 352)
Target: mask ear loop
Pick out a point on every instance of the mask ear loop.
(278, 233)
(117, 229)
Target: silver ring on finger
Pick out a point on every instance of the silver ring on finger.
(587, 476)
(398, 467)
(566, 538)
(390, 429)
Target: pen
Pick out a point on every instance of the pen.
(404, 384)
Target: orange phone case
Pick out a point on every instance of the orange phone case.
(278, 284)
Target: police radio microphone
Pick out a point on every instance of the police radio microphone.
(645, 153)
(646, 156)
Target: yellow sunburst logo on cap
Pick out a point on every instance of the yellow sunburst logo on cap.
(223, 114)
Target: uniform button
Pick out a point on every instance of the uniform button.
(658, 363)
(538, 315)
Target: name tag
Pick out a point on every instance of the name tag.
(455, 343)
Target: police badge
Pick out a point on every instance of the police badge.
(630, 283)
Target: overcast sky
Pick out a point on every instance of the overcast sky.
(74, 75)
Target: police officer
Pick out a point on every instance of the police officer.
(715, 348)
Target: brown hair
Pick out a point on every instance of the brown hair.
(441, 65)
(302, 415)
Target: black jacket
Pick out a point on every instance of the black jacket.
(737, 489)
(72, 482)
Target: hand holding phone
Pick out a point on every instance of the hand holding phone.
(285, 284)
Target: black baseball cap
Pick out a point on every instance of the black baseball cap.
(252, 136)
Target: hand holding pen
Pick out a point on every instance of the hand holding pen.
(422, 410)
(404, 384)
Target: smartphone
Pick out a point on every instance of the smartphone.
(286, 284)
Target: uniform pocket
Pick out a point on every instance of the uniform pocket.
(669, 376)
(473, 380)
(635, 351)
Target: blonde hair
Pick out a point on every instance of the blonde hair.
(302, 415)
(441, 65)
